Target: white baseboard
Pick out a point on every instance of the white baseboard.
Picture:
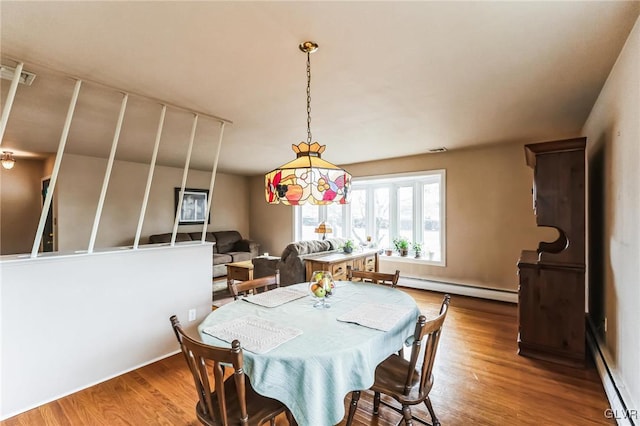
(619, 411)
(460, 289)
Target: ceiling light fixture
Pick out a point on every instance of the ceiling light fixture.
(7, 160)
(308, 178)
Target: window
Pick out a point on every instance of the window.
(383, 207)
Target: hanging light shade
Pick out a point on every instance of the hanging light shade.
(308, 178)
(7, 160)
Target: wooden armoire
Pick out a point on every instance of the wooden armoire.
(551, 295)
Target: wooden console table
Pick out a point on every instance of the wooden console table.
(337, 262)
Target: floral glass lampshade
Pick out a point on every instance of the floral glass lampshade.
(307, 179)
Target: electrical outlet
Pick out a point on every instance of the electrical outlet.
(192, 314)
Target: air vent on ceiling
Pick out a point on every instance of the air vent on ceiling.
(441, 149)
(26, 77)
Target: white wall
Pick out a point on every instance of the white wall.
(613, 150)
(68, 322)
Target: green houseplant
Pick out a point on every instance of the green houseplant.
(417, 248)
(347, 247)
(401, 244)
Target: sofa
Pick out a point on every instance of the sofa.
(291, 261)
(229, 247)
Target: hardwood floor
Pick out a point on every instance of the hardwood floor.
(479, 380)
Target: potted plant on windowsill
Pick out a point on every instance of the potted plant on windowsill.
(347, 247)
(417, 248)
(402, 245)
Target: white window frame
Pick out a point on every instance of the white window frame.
(393, 182)
(322, 216)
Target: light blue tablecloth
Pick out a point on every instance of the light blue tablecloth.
(313, 373)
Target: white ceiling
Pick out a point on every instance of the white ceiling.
(390, 78)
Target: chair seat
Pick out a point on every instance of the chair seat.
(259, 408)
(386, 381)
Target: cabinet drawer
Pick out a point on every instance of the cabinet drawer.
(369, 264)
(339, 270)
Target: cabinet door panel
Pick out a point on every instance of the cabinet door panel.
(551, 309)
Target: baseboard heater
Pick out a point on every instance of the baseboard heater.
(460, 289)
(619, 410)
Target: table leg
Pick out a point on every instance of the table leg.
(229, 278)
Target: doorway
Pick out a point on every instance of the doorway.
(47, 232)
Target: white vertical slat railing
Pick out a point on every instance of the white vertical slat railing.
(48, 199)
(56, 169)
(9, 102)
(185, 172)
(152, 167)
(212, 183)
(107, 174)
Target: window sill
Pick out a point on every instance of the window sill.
(410, 259)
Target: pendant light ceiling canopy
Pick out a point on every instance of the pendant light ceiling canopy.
(308, 178)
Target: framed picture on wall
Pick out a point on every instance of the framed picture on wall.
(194, 206)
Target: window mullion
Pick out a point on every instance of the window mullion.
(393, 210)
(370, 210)
(417, 212)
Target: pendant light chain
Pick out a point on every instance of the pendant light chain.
(308, 178)
(309, 98)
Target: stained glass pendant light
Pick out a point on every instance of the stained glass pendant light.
(308, 178)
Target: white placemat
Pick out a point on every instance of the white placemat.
(276, 297)
(255, 334)
(373, 315)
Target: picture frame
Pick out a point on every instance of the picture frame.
(194, 206)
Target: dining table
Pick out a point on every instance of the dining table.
(310, 358)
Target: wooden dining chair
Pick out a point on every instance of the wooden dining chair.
(242, 288)
(374, 277)
(228, 402)
(401, 380)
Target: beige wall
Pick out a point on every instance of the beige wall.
(613, 149)
(488, 205)
(78, 189)
(20, 205)
(271, 224)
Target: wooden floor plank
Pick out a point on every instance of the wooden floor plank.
(479, 380)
